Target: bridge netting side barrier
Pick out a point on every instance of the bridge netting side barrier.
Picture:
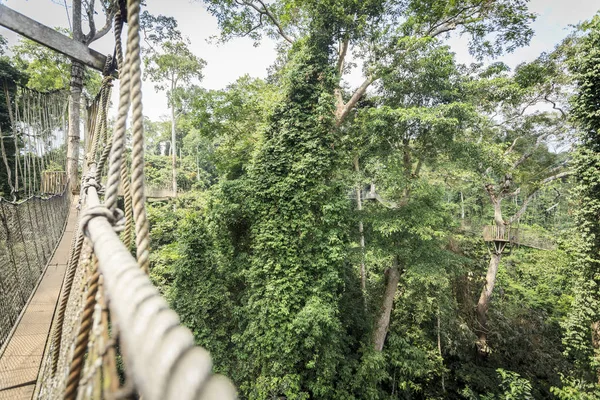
(29, 232)
(113, 335)
(35, 143)
(32, 142)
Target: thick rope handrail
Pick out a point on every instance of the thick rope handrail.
(159, 353)
(159, 356)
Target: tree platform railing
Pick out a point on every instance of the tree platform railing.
(518, 236)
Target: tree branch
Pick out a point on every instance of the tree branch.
(89, 10)
(94, 35)
(454, 21)
(269, 14)
(343, 50)
(564, 115)
(538, 142)
(107, 26)
(520, 113)
(512, 146)
(523, 208)
(343, 111)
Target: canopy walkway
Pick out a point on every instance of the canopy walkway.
(83, 320)
(53, 182)
(518, 236)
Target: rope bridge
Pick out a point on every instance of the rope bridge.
(113, 335)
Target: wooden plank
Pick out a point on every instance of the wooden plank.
(48, 37)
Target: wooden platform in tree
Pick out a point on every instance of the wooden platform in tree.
(522, 236)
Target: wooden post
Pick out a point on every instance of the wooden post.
(48, 37)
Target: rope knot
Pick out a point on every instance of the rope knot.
(116, 218)
(90, 181)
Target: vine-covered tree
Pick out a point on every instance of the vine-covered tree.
(582, 337)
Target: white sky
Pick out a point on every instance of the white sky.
(226, 62)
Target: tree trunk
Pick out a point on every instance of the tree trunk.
(596, 343)
(383, 323)
(173, 149)
(363, 271)
(484, 301)
(75, 104)
(74, 124)
(439, 343)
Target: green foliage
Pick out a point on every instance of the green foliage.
(263, 259)
(232, 121)
(582, 329)
(48, 70)
(3, 45)
(515, 387)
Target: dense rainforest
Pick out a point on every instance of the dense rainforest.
(432, 232)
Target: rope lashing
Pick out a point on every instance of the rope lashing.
(90, 181)
(116, 218)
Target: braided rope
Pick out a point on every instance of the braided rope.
(128, 206)
(104, 137)
(83, 335)
(142, 228)
(118, 43)
(118, 142)
(78, 239)
(75, 254)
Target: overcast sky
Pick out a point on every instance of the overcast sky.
(226, 62)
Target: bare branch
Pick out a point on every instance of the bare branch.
(265, 11)
(564, 115)
(530, 103)
(512, 146)
(68, 16)
(523, 208)
(443, 29)
(343, 50)
(343, 111)
(540, 139)
(452, 22)
(89, 10)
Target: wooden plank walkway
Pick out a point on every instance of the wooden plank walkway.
(21, 359)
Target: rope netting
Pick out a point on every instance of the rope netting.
(113, 335)
(29, 233)
(36, 144)
(31, 219)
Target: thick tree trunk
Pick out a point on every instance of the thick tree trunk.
(383, 323)
(75, 104)
(484, 301)
(173, 150)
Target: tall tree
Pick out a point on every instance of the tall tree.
(583, 326)
(413, 120)
(515, 135)
(80, 7)
(172, 66)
